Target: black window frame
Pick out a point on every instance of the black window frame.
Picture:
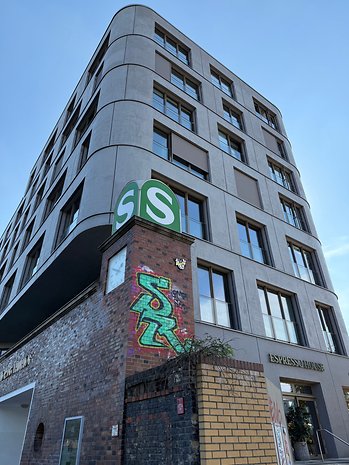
(235, 145)
(329, 328)
(233, 116)
(182, 108)
(285, 173)
(163, 39)
(69, 215)
(266, 115)
(231, 308)
(261, 235)
(222, 82)
(299, 219)
(7, 291)
(32, 262)
(188, 82)
(296, 322)
(310, 270)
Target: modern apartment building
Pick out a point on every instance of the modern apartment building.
(152, 104)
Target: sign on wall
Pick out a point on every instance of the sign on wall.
(152, 200)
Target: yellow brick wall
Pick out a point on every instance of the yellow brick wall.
(234, 421)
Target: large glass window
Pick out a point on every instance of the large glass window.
(186, 84)
(278, 315)
(32, 262)
(173, 109)
(252, 241)
(304, 264)
(266, 115)
(161, 143)
(231, 145)
(233, 116)
(192, 215)
(69, 215)
(280, 175)
(293, 214)
(6, 293)
(329, 330)
(172, 46)
(222, 83)
(214, 297)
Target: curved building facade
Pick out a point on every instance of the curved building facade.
(152, 104)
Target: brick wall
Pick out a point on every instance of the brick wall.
(234, 419)
(155, 432)
(81, 356)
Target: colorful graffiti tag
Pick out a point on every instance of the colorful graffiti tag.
(157, 323)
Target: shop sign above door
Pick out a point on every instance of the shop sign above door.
(294, 362)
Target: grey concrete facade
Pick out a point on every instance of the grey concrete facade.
(120, 150)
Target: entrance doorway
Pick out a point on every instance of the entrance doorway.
(14, 413)
(296, 394)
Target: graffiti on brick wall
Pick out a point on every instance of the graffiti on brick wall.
(159, 309)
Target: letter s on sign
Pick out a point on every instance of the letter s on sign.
(125, 207)
(154, 195)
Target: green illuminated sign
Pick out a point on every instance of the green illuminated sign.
(152, 200)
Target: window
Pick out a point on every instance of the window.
(98, 59)
(70, 109)
(32, 262)
(161, 144)
(6, 293)
(174, 110)
(30, 182)
(28, 234)
(15, 233)
(282, 176)
(192, 215)
(39, 196)
(86, 119)
(69, 215)
(20, 212)
(329, 330)
(34, 187)
(25, 218)
(49, 146)
(47, 165)
(57, 166)
(293, 214)
(190, 155)
(252, 241)
(222, 83)
(266, 115)
(278, 315)
(233, 116)
(184, 83)
(70, 125)
(85, 146)
(281, 149)
(98, 77)
(304, 264)
(54, 196)
(71, 441)
(2, 271)
(214, 297)
(14, 254)
(172, 46)
(4, 252)
(231, 145)
(346, 396)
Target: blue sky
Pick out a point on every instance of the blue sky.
(294, 52)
